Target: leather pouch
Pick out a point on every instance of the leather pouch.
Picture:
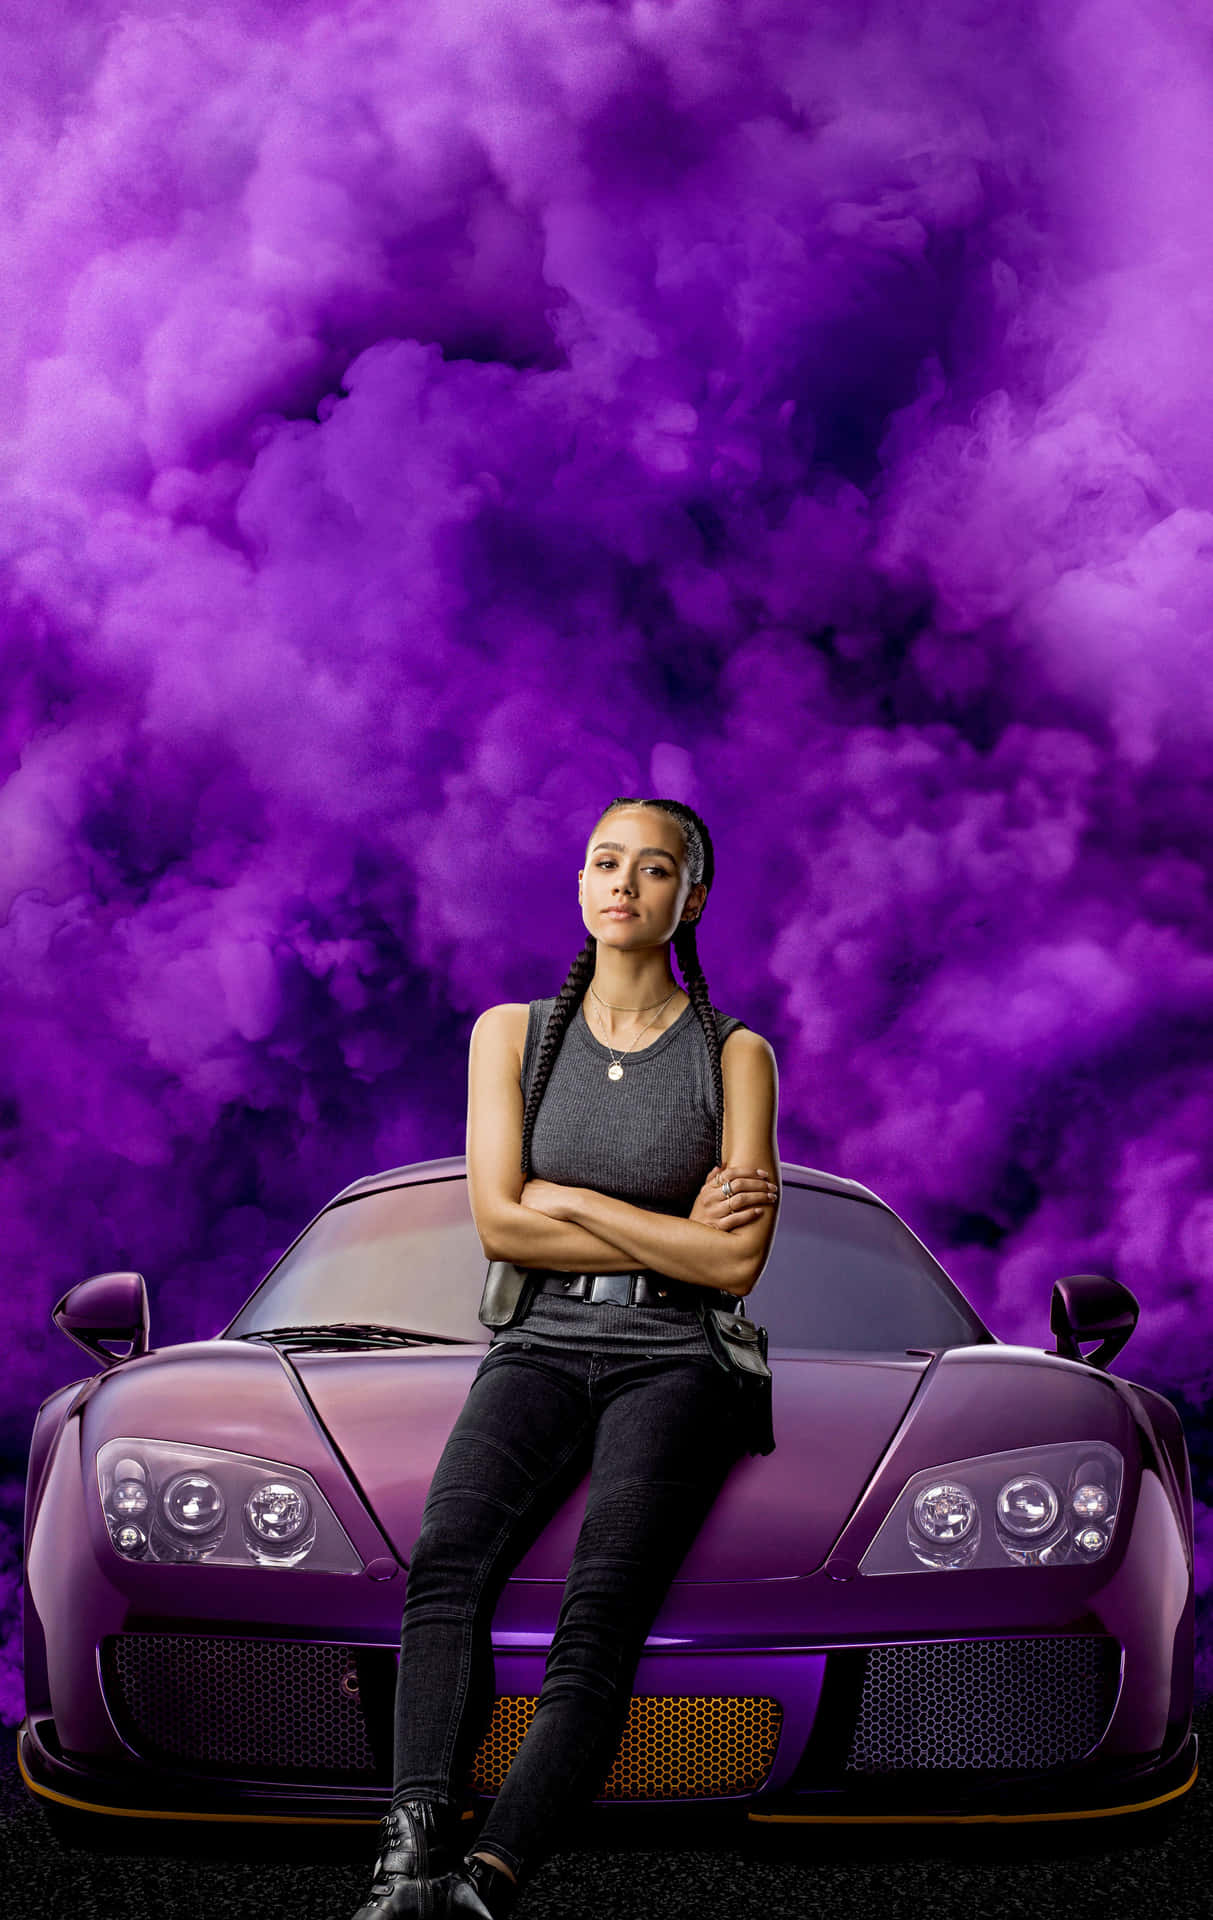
(738, 1342)
(508, 1292)
(739, 1346)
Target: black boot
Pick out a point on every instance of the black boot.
(417, 1845)
(478, 1890)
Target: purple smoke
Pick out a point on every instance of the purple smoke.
(419, 426)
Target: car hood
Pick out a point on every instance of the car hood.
(777, 1515)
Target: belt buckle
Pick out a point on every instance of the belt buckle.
(613, 1287)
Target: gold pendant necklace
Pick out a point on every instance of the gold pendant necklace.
(615, 1070)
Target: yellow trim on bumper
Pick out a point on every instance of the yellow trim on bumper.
(243, 1819)
(964, 1819)
(766, 1819)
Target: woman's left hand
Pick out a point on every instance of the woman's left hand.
(545, 1196)
(750, 1190)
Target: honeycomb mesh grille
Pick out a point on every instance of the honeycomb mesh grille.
(1027, 1703)
(291, 1709)
(276, 1706)
(673, 1747)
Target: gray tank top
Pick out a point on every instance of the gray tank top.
(649, 1138)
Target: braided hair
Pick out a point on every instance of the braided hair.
(701, 862)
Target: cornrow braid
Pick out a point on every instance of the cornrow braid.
(701, 863)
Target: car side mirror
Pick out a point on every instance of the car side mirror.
(1086, 1306)
(109, 1306)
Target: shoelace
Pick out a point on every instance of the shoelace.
(384, 1882)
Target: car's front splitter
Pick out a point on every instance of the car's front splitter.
(51, 1775)
(155, 1794)
(1084, 1794)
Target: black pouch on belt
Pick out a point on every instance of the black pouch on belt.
(508, 1292)
(740, 1347)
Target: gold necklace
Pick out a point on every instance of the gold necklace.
(615, 1070)
(615, 1009)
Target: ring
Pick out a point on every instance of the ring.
(727, 1190)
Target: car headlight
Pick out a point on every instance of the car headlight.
(1045, 1506)
(1028, 1506)
(945, 1525)
(278, 1511)
(193, 1505)
(165, 1502)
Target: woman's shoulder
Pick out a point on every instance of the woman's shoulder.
(510, 1020)
(501, 1031)
(507, 1013)
(746, 1049)
(502, 1026)
(744, 1041)
(728, 1024)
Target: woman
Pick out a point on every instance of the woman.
(624, 1155)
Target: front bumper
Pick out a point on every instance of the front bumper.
(155, 1794)
(52, 1776)
(927, 1731)
(1091, 1795)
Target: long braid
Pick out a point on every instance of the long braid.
(570, 997)
(696, 984)
(701, 862)
(701, 859)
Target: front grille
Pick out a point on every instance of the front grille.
(293, 1709)
(287, 1708)
(1003, 1704)
(673, 1747)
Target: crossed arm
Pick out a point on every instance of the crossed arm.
(577, 1229)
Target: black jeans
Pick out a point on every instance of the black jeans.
(660, 1437)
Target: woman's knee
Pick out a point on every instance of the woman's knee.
(444, 1559)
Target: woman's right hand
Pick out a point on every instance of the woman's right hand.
(750, 1190)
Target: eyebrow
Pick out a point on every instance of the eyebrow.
(615, 846)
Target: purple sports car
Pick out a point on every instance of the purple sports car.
(217, 1532)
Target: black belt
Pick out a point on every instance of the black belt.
(640, 1288)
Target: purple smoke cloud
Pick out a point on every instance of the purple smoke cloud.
(417, 431)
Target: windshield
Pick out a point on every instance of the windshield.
(843, 1274)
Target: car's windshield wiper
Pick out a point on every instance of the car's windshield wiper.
(354, 1333)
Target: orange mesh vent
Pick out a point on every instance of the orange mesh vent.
(672, 1747)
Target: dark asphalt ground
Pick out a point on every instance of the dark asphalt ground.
(650, 1868)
